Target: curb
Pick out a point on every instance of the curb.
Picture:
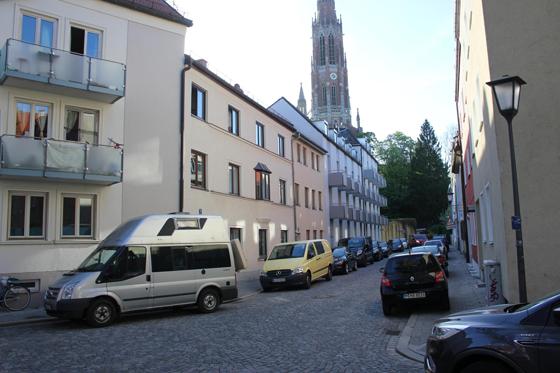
(403, 345)
(45, 319)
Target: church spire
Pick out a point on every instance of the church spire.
(326, 12)
(302, 104)
(358, 120)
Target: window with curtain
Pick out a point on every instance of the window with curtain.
(81, 125)
(32, 119)
(198, 169)
(262, 185)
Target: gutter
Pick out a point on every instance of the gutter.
(295, 135)
(181, 134)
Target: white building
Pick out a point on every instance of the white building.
(78, 78)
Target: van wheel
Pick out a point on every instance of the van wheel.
(307, 283)
(328, 277)
(208, 300)
(101, 312)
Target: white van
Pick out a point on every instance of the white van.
(150, 262)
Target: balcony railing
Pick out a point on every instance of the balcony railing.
(351, 213)
(27, 157)
(28, 65)
(337, 179)
(338, 212)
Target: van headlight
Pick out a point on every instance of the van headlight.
(441, 332)
(263, 273)
(67, 290)
(297, 270)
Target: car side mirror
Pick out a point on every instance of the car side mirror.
(556, 315)
(382, 269)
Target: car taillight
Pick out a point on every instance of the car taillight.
(385, 282)
(440, 276)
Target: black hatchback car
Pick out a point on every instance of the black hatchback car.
(499, 339)
(344, 260)
(409, 278)
(360, 248)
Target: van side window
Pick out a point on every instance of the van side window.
(131, 262)
(319, 247)
(208, 256)
(311, 250)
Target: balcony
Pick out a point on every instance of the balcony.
(351, 213)
(369, 174)
(337, 179)
(349, 185)
(30, 158)
(31, 66)
(338, 212)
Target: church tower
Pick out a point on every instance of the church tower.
(302, 104)
(329, 73)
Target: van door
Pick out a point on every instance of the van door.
(173, 282)
(128, 278)
(313, 261)
(211, 264)
(324, 261)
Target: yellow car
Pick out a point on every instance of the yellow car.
(297, 264)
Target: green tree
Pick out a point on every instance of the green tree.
(428, 179)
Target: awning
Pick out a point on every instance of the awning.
(262, 168)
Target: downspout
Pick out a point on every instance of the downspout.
(294, 135)
(181, 134)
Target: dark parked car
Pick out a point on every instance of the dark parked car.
(397, 245)
(385, 248)
(437, 252)
(342, 242)
(409, 278)
(438, 243)
(362, 251)
(417, 239)
(376, 251)
(344, 260)
(499, 339)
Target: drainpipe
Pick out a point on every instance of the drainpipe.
(295, 135)
(182, 132)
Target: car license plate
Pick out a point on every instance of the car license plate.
(417, 295)
(278, 280)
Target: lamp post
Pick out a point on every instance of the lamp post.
(506, 92)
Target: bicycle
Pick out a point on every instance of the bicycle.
(13, 297)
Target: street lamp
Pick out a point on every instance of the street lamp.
(506, 91)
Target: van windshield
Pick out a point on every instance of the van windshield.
(97, 260)
(288, 251)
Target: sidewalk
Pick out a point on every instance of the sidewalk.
(247, 285)
(464, 294)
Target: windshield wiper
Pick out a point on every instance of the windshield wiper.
(514, 307)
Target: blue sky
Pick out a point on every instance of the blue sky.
(400, 55)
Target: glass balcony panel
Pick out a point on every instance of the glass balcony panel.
(28, 59)
(24, 153)
(65, 156)
(104, 160)
(107, 74)
(71, 68)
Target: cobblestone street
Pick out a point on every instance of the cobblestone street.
(335, 326)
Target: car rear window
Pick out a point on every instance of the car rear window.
(356, 241)
(341, 251)
(412, 264)
(420, 236)
(426, 248)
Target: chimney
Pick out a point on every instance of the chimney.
(238, 87)
(202, 62)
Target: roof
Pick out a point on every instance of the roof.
(157, 8)
(262, 167)
(200, 66)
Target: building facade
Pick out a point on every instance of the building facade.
(240, 162)
(74, 78)
(491, 43)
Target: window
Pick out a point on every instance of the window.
(198, 169)
(281, 146)
(298, 153)
(234, 121)
(85, 41)
(77, 216)
(282, 192)
(283, 235)
(488, 210)
(312, 160)
(296, 194)
(305, 156)
(235, 233)
(321, 50)
(321, 233)
(332, 60)
(39, 113)
(38, 30)
(307, 234)
(306, 197)
(233, 179)
(313, 199)
(26, 215)
(259, 135)
(262, 243)
(262, 185)
(315, 234)
(180, 258)
(81, 125)
(320, 201)
(333, 95)
(317, 162)
(324, 95)
(198, 102)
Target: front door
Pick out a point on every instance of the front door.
(549, 343)
(128, 279)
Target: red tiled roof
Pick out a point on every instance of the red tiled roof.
(158, 8)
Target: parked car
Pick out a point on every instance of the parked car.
(146, 263)
(437, 252)
(443, 241)
(417, 239)
(362, 251)
(297, 263)
(344, 260)
(413, 277)
(508, 338)
(397, 245)
(376, 251)
(404, 242)
(342, 242)
(385, 248)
